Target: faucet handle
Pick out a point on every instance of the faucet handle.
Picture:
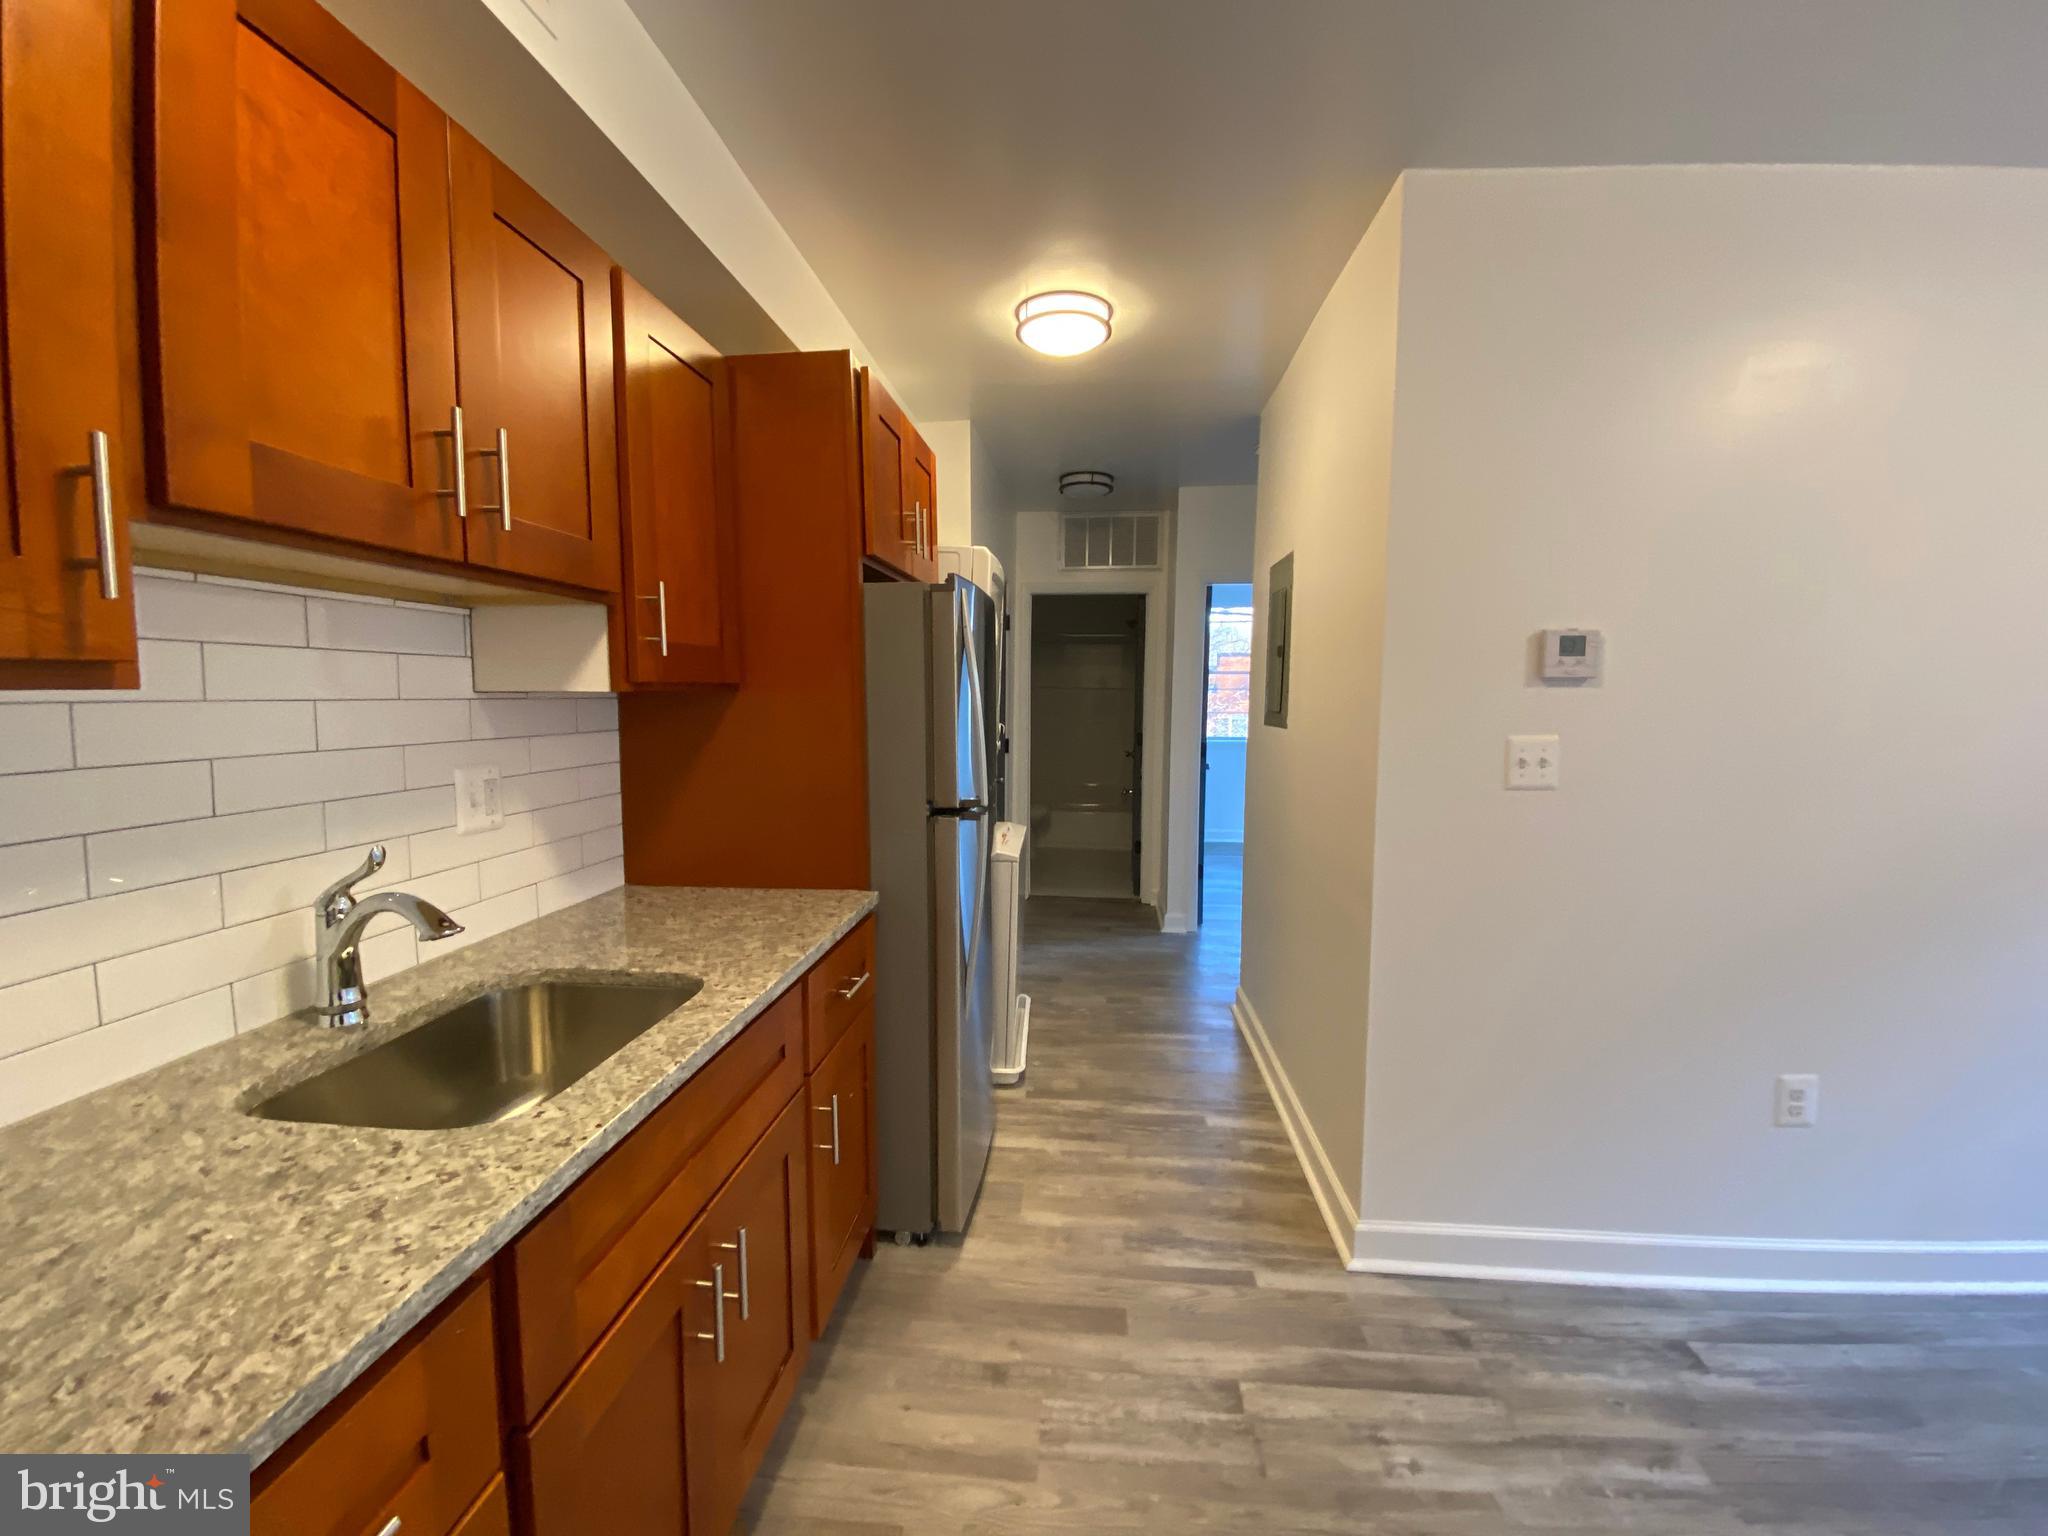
(341, 890)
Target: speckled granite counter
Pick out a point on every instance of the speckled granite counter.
(178, 1276)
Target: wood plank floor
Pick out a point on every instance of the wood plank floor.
(1147, 1330)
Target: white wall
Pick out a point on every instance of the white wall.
(1325, 453)
(1778, 432)
(160, 850)
(1035, 569)
(1212, 543)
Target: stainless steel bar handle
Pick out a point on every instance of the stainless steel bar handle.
(716, 1286)
(851, 988)
(740, 1248)
(461, 490)
(661, 599)
(831, 1146)
(505, 478)
(391, 1527)
(103, 513)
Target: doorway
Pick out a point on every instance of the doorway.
(1226, 732)
(1087, 743)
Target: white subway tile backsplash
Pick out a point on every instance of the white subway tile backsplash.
(488, 917)
(300, 778)
(393, 723)
(124, 861)
(372, 817)
(37, 1012)
(34, 737)
(37, 806)
(435, 677)
(160, 853)
(574, 751)
(290, 884)
(433, 851)
(521, 717)
(36, 875)
(60, 938)
(35, 1080)
(135, 983)
(575, 818)
(530, 866)
(605, 843)
(580, 885)
(294, 672)
(111, 734)
(191, 610)
(341, 625)
(436, 762)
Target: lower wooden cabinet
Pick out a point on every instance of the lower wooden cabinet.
(652, 1325)
(415, 1441)
(842, 1164)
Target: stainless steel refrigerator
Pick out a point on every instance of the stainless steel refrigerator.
(931, 659)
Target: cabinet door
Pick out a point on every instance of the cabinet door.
(922, 492)
(888, 526)
(298, 325)
(755, 1239)
(842, 1158)
(64, 589)
(533, 314)
(681, 547)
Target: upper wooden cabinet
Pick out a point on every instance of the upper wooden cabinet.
(65, 450)
(299, 326)
(899, 520)
(317, 236)
(681, 612)
(533, 326)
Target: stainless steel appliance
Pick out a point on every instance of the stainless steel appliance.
(931, 658)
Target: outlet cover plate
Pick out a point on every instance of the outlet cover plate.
(479, 807)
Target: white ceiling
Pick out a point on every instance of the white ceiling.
(1209, 164)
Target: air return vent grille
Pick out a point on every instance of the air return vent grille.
(1109, 541)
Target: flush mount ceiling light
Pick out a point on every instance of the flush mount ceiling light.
(1063, 324)
(1087, 482)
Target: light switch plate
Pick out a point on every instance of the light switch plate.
(478, 805)
(1532, 762)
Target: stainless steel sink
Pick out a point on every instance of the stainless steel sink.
(485, 1060)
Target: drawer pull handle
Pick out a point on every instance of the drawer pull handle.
(391, 1527)
(461, 494)
(716, 1337)
(740, 1248)
(851, 988)
(831, 1146)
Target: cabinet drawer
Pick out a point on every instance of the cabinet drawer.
(414, 1441)
(580, 1263)
(489, 1515)
(842, 1163)
(836, 990)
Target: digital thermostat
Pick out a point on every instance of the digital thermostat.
(1573, 655)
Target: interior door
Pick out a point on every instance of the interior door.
(533, 314)
(298, 315)
(64, 591)
(681, 555)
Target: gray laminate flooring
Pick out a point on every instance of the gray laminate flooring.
(1147, 1329)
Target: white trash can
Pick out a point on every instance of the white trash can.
(1013, 1011)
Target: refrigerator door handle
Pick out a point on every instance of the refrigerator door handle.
(981, 788)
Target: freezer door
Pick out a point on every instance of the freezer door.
(961, 631)
(965, 1011)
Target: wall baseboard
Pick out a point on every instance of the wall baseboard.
(1176, 922)
(1338, 1213)
(1676, 1261)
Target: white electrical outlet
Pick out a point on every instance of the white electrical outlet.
(478, 805)
(1532, 762)
(1798, 1100)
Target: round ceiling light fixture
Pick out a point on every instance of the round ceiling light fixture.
(1065, 323)
(1087, 482)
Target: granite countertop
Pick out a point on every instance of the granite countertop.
(176, 1275)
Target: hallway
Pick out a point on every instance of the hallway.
(1147, 1329)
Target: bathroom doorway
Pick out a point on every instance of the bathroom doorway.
(1087, 743)
(1226, 733)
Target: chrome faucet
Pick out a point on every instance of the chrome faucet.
(339, 918)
